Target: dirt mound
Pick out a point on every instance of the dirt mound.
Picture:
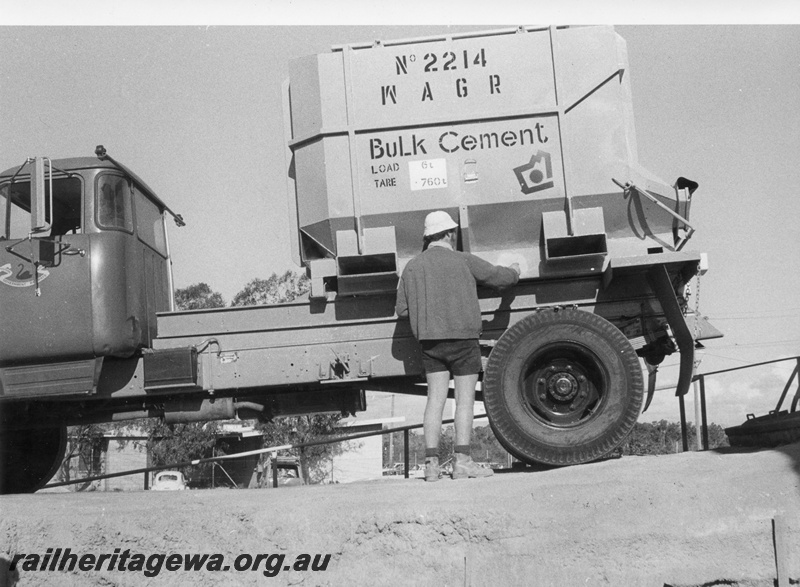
(688, 519)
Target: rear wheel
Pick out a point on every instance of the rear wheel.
(562, 388)
(29, 457)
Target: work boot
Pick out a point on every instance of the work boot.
(464, 468)
(432, 469)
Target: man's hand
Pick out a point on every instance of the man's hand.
(515, 267)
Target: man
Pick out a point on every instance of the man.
(438, 293)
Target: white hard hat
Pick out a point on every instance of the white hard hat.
(437, 222)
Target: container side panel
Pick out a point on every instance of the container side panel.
(324, 186)
(317, 95)
(595, 138)
(585, 57)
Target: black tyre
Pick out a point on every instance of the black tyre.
(29, 457)
(562, 388)
(771, 430)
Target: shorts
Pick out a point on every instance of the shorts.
(459, 357)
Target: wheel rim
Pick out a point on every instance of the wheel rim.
(563, 385)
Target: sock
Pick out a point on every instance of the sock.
(431, 452)
(461, 449)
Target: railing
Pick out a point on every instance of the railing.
(272, 449)
(701, 379)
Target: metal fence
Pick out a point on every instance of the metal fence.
(699, 381)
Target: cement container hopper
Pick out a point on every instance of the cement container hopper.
(525, 136)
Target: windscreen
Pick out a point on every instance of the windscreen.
(15, 208)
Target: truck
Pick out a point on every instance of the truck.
(524, 135)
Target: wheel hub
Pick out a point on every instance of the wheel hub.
(562, 392)
(562, 386)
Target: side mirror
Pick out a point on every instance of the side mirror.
(44, 252)
(39, 196)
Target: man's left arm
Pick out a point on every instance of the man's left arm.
(401, 305)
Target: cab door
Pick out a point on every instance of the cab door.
(45, 308)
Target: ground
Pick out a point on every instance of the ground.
(686, 519)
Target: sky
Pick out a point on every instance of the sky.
(195, 110)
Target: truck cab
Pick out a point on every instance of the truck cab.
(85, 279)
(84, 267)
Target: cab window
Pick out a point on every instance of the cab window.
(66, 217)
(114, 203)
(149, 223)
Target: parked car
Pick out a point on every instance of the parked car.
(168, 481)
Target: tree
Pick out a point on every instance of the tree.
(658, 438)
(197, 297)
(717, 437)
(273, 290)
(486, 447)
(84, 444)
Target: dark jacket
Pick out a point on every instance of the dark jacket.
(437, 292)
